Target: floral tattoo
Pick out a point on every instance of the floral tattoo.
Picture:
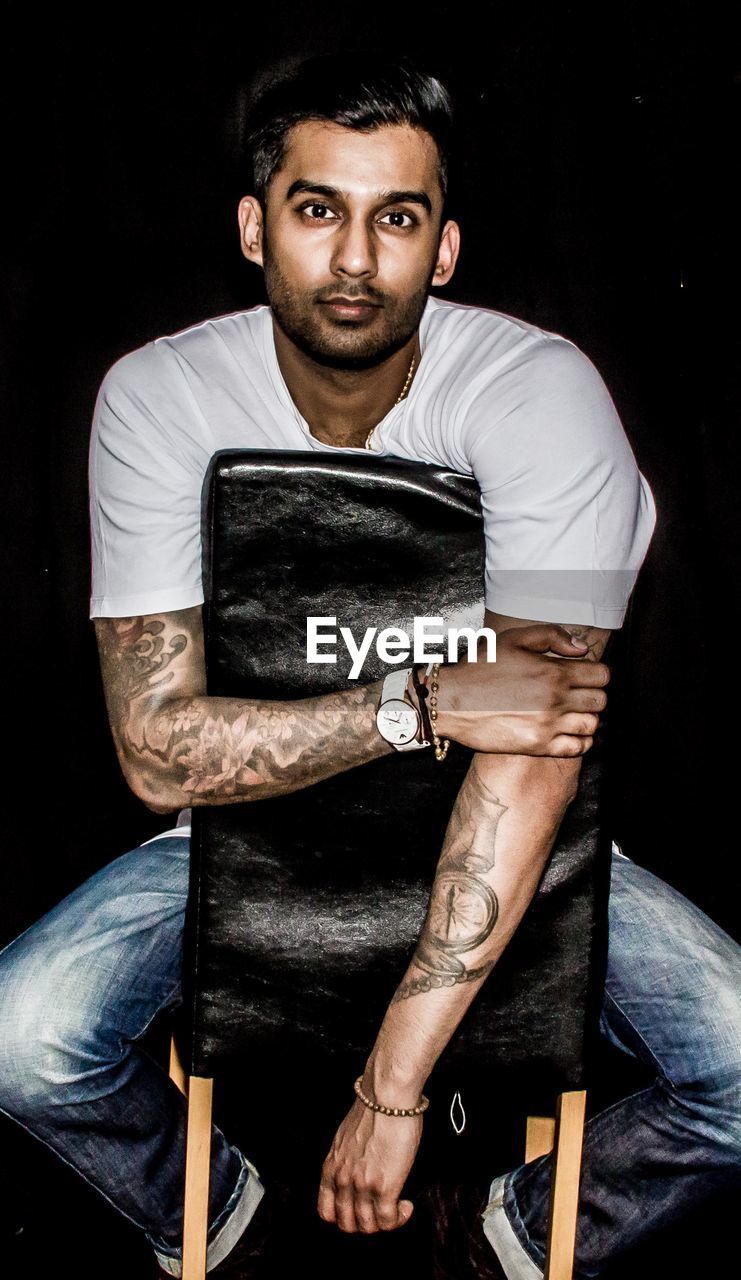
(200, 749)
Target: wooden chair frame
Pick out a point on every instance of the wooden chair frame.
(562, 1134)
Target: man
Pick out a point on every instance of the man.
(348, 222)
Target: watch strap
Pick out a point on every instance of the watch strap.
(395, 687)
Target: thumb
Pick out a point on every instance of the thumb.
(406, 1209)
(541, 638)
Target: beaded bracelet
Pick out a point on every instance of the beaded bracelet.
(441, 748)
(391, 1111)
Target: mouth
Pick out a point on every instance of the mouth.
(350, 308)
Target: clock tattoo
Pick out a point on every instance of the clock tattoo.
(463, 912)
(463, 908)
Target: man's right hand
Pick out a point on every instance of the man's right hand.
(527, 702)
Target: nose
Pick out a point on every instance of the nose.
(354, 252)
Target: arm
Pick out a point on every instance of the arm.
(177, 746)
(500, 835)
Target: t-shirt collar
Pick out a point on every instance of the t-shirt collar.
(279, 383)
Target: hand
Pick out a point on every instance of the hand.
(366, 1168)
(527, 703)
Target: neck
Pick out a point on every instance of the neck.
(342, 405)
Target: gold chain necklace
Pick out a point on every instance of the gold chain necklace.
(398, 399)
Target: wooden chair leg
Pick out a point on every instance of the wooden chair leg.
(539, 1139)
(564, 1204)
(197, 1169)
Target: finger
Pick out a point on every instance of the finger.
(406, 1209)
(586, 675)
(344, 1203)
(391, 1214)
(547, 636)
(325, 1203)
(388, 1212)
(564, 746)
(365, 1214)
(594, 700)
(580, 726)
(582, 701)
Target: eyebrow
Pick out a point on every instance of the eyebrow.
(385, 197)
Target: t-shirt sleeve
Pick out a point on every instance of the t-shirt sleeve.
(146, 472)
(568, 516)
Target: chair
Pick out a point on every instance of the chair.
(304, 909)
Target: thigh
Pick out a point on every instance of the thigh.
(673, 988)
(113, 945)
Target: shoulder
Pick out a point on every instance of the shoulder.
(498, 360)
(500, 374)
(474, 335)
(501, 338)
(206, 339)
(156, 368)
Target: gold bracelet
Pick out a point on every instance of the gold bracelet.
(391, 1111)
(441, 748)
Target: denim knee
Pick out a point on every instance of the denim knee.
(89, 977)
(709, 1109)
(51, 1041)
(673, 999)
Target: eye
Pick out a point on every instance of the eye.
(399, 214)
(322, 210)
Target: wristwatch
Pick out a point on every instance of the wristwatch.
(397, 719)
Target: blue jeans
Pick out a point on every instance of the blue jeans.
(673, 1001)
(77, 990)
(82, 985)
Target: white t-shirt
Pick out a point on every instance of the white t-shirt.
(568, 516)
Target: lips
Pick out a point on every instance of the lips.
(351, 302)
(350, 308)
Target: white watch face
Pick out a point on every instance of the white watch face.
(397, 722)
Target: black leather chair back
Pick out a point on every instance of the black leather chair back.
(305, 909)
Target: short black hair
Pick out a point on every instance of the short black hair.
(361, 91)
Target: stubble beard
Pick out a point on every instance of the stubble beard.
(343, 345)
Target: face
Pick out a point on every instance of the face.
(350, 240)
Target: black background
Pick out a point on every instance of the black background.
(597, 199)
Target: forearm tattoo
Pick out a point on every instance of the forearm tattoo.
(463, 907)
(199, 749)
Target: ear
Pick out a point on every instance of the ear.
(250, 217)
(447, 254)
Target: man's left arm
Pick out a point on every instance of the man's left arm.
(497, 843)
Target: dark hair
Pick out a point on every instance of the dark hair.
(358, 90)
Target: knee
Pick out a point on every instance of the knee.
(708, 1100)
(50, 1038)
(711, 1121)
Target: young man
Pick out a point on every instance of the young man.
(348, 221)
